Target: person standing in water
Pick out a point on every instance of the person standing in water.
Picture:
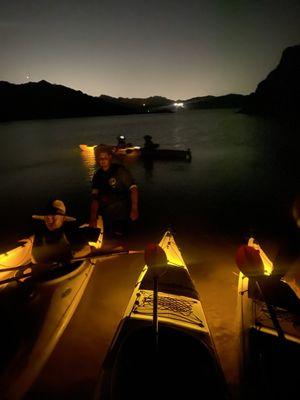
(114, 195)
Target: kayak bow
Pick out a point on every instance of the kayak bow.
(180, 363)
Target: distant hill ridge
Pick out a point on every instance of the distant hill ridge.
(279, 93)
(37, 100)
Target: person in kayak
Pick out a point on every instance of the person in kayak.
(148, 144)
(114, 195)
(53, 241)
(121, 142)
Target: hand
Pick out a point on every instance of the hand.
(134, 214)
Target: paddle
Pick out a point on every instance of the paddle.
(156, 259)
(93, 255)
(106, 253)
(15, 278)
(252, 263)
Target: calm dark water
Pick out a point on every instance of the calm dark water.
(243, 176)
(243, 173)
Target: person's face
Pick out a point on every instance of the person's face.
(104, 161)
(54, 222)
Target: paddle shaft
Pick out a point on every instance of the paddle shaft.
(15, 279)
(96, 254)
(11, 269)
(101, 254)
(272, 313)
(87, 257)
(155, 314)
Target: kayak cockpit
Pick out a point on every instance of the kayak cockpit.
(276, 292)
(174, 280)
(182, 365)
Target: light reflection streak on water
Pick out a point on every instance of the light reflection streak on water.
(89, 161)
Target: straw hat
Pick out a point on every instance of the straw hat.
(56, 207)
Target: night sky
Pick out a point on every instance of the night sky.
(172, 48)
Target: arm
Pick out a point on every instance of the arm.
(129, 183)
(134, 213)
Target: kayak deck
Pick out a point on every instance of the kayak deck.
(268, 352)
(179, 362)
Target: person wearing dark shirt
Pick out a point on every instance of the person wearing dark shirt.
(121, 142)
(149, 145)
(114, 195)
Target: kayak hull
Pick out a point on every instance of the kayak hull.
(144, 153)
(266, 367)
(17, 257)
(35, 313)
(167, 154)
(171, 363)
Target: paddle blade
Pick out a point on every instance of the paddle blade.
(249, 261)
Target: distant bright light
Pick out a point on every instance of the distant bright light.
(179, 105)
(122, 137)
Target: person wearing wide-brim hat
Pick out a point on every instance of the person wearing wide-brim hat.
(50, 241)
(54, 215)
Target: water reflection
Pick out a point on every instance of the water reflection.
(89, 160)
(148, 166)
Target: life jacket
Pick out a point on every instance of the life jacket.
(50, 247)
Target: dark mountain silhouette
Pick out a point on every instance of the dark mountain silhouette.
(45, 100)
(37, 100)
(150, 102)
(279, 93)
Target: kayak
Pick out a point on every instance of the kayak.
(17, 257)
(85, 147)
(175, 358)
(145, 153)
(121, 151)
(166, 154)
(35, 311)
(127, 151)
(269, 331)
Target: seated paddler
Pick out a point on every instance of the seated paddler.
(149, 145)
(57, 238)
(121, 142)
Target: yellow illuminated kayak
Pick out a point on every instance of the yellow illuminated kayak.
(175, 359)
(144, 152)
(123, 151)
(34, 314)
(17, 257)
(268, 313)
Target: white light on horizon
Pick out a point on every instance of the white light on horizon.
(179, 105)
